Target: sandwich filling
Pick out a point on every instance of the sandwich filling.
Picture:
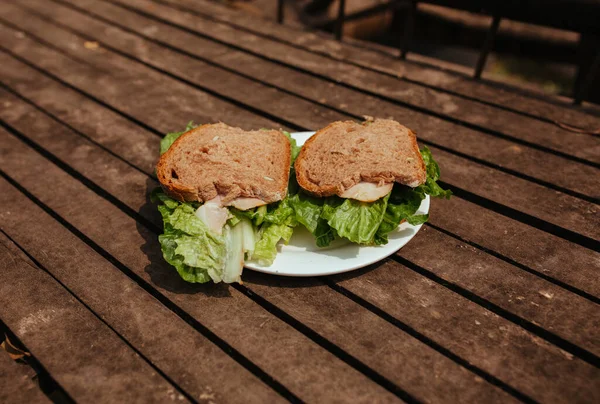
(361, 180)
(211, 240)
(367, 191)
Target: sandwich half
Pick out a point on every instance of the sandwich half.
(359, 181)
(223, 199)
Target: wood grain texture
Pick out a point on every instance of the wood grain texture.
(544, 304)
(538, 250)
(351, 104)
(186, 356)
(301, 365)
(120, 84)
(98, 366)
(466, 111)
(565, 261)
(281, 293)
(17, 384)
(476, 334)
(514, 192)
(365, 55)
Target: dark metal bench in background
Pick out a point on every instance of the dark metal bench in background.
(580, 16)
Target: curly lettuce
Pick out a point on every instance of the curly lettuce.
(200, 255)
(367, 223)
(197, 254)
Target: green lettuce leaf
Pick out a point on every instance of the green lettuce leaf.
(355, 220)
(367, 223)
(294, 146)
(402, 205)
(274, 222)
(197, 253)
(307, 211)
(269, 235)
(171, 137)
(431, 186)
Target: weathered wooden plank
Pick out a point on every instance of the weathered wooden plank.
(284, 295)
(16, 379)
(533, 199)
(366, 55)
(121, 87)
(479, 272)
(532, 298)
(500, 152)
(474, 333)
(97, 365)
(301, 365)
(102, 126)
(450, 379)
(32, 82)
(551, 255)
(115, 176)
(170, 343)
(540, 251)
(554, 207)
(466, 111)
(270, 101)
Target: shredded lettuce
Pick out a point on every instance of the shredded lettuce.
(367, 223)
(171, 137)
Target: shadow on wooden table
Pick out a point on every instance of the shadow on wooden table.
(251, 277)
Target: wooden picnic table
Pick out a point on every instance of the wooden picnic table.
(495, 300)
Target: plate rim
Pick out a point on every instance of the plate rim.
(425, 207)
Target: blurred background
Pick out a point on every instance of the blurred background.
(547, 46)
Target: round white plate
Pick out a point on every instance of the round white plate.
(301, 257)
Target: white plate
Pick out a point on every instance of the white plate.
(301, 257)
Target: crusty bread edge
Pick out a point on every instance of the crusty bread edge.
(301, 177)
(315, 190)
(175, 191)
(183, 194)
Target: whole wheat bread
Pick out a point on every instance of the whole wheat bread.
(218, 159)
(343, 154)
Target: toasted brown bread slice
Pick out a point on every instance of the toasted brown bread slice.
(219, 160)
(344, 154)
